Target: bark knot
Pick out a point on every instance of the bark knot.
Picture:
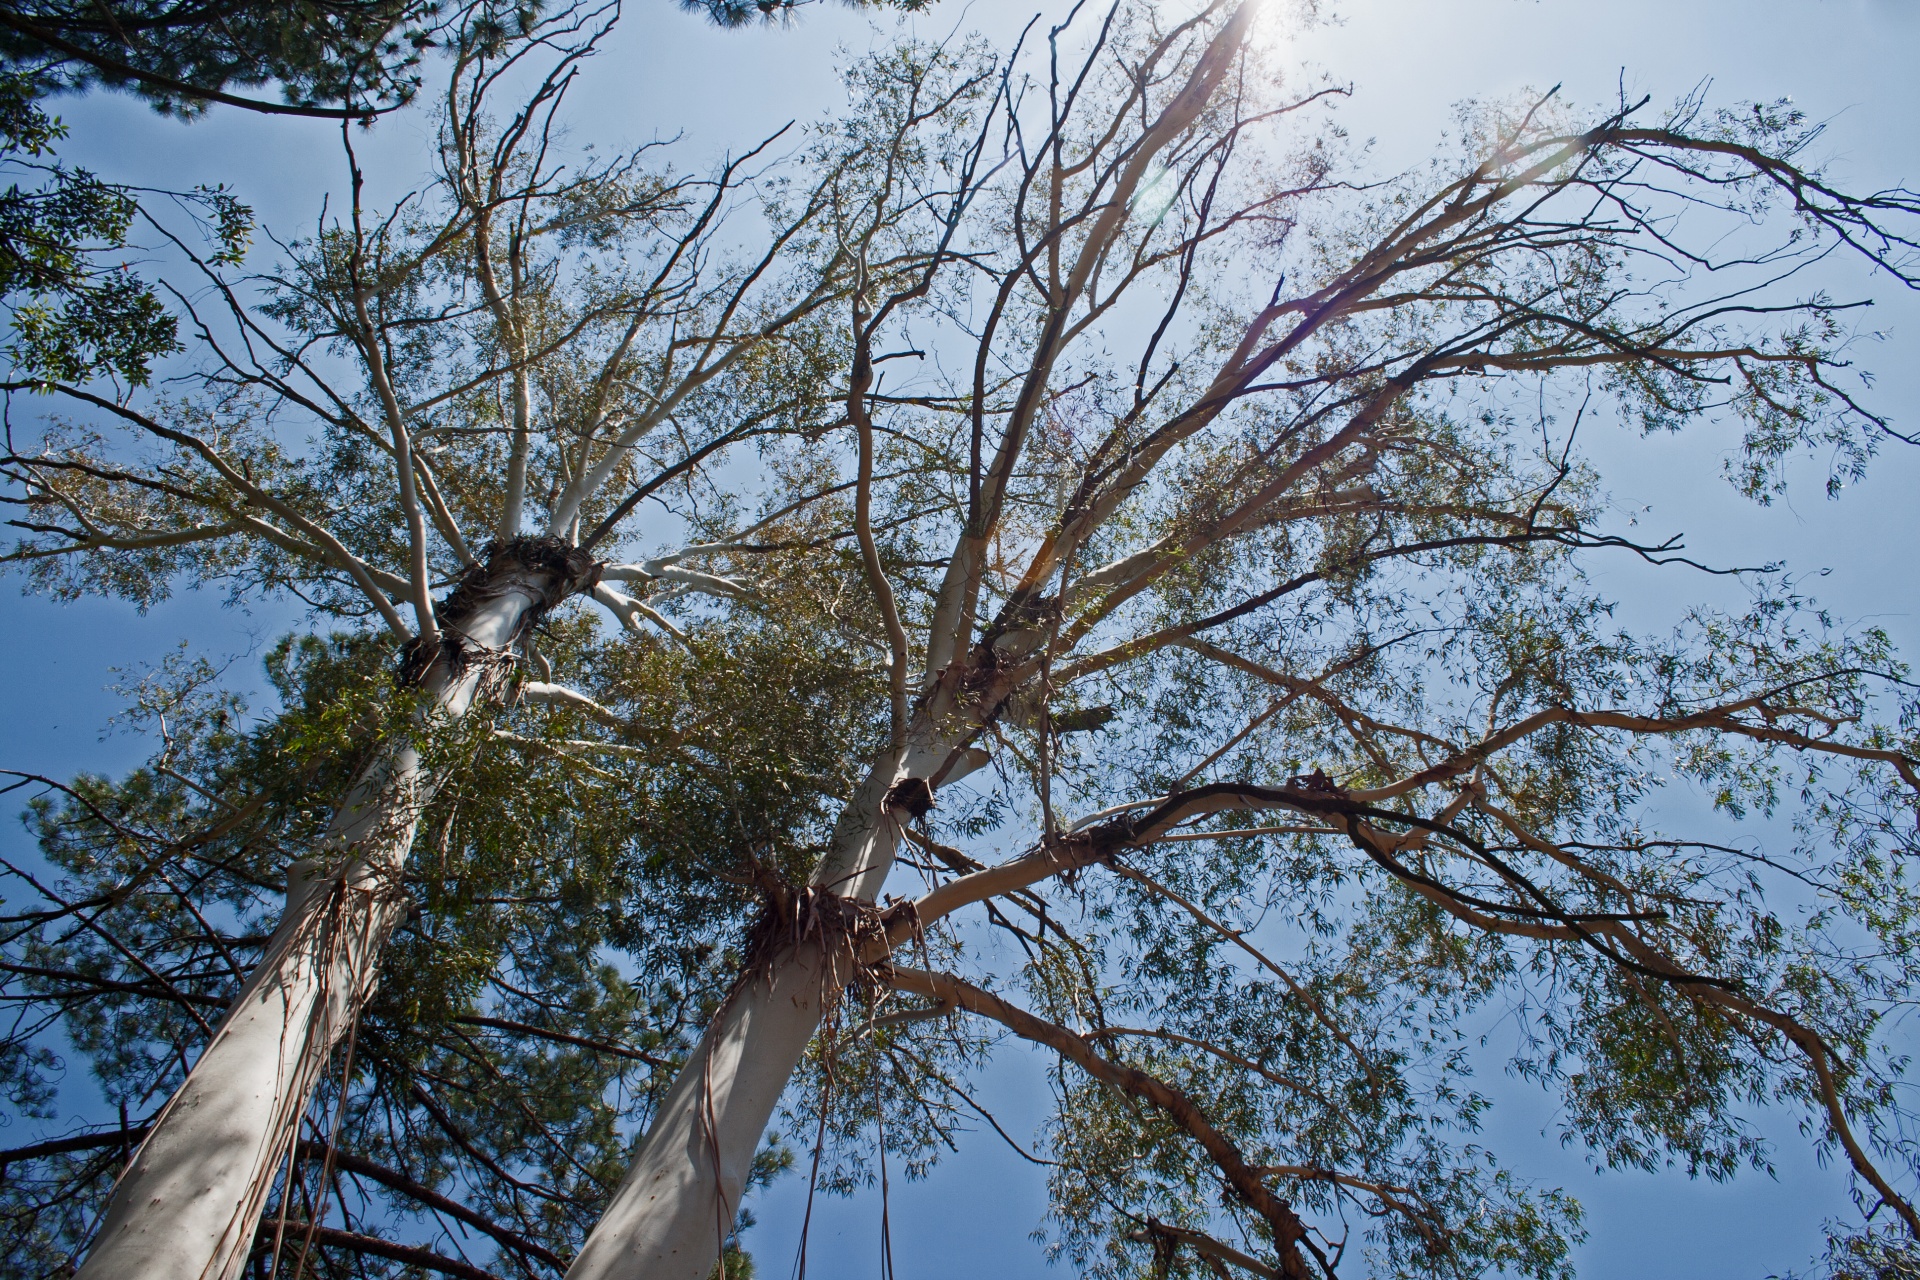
(544, 568)
(854, 937)
(910, 795)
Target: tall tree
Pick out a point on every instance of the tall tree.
(562, 943)
(575, 331)
(1275, 479)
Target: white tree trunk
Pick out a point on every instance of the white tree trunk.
(187, 1206)
(671, 1213)
(677, 1203)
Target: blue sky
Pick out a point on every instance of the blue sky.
(1849, 62)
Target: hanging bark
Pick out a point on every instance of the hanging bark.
(675, 1208)
(187, 1206)
(671, 1215)
(1241, 495)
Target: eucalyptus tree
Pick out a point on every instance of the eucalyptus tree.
(534, 337)
(563, 942)
(1232, 510)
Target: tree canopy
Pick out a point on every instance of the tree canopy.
(344, 59)
(328, 59)
(1062, 490)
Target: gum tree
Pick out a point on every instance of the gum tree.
(1236, 518)
(561, 946)
(477, 389)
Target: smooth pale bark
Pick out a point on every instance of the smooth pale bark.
(677, 1202)
(187, 1206)
(673, 1211)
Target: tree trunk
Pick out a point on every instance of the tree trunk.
(673, 1211)
(188, 1205)
(676, 1205)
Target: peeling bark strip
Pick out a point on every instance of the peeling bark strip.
(671, 1214)
(188, 1205)
(851, 933)
(679, 1198)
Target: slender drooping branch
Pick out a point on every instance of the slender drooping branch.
(1289, 1233)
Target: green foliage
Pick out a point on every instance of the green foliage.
(76, 306)
(344, 57)
(361, 54)
(735, 1264)
(579, 901)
